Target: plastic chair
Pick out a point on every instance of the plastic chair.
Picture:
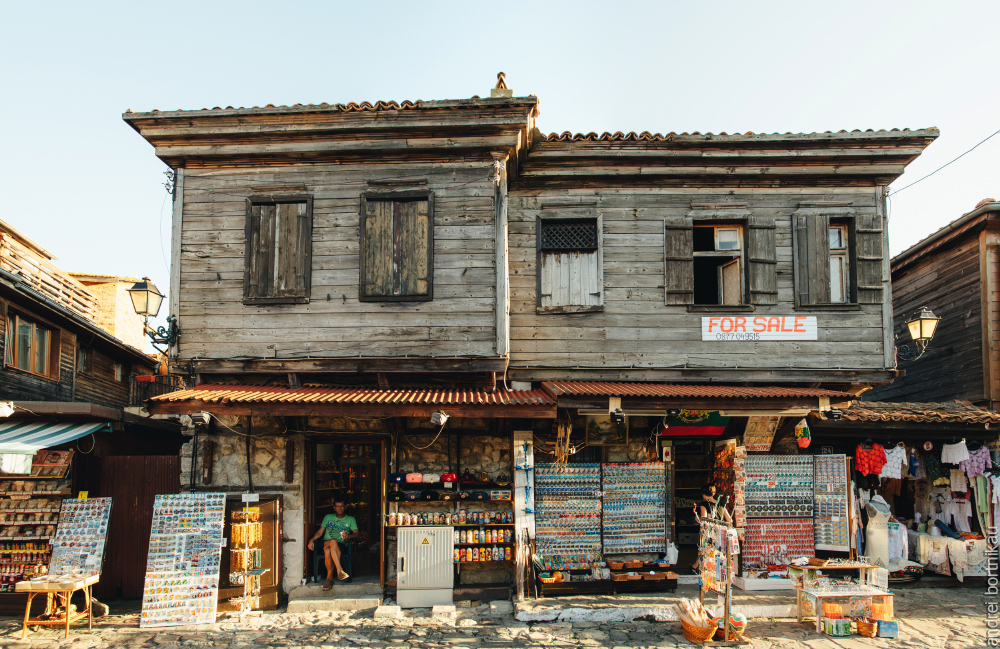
(346, 562)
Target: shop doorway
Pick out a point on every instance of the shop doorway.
(351, 472)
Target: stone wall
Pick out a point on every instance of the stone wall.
(267, 463)
(479, 452)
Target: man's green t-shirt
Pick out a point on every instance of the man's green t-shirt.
(333, 526)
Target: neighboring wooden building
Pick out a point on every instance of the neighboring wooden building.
(955, 272)
(70, 383)
(325, 254)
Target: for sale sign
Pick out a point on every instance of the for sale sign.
(738, 328)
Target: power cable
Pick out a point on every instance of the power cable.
(944, 165)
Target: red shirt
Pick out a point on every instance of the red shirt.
(869, 460)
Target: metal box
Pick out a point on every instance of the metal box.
(424, 566)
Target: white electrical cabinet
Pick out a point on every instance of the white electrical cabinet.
(425, 557)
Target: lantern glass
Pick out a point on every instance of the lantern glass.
(922, 326)
(146, 299)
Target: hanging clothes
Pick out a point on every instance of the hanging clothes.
(932, 463)
(954, 453)
(895, 463)
(979, 460)
(869, 460)
(959, 485)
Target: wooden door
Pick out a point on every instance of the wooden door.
(270, 516)
(132, 482)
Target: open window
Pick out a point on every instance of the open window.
(718, 264)
(570, 273)
(719, 256)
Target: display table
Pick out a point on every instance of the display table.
(817, 596)
(803, 576)
(59, 591)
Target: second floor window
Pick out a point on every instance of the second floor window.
(278, 251)
(397, 248)
(838, 256)
(840, 277)
(571, 277)
(718, 264)
(31, 346)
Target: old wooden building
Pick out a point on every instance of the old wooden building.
(70, 383)
(342, 271)
(953, 272)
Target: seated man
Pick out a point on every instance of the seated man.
(335, 528)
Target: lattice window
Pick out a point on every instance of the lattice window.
(569, 234)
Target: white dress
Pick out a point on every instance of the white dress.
(877, 533)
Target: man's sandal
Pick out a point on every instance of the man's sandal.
(328, 584)
(343, 575)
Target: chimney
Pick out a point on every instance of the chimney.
(501, 89)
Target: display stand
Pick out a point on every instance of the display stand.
(247, 531)
(718, 549)
(58, 609)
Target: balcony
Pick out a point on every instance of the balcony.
(143, 387)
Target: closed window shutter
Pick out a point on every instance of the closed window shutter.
(378, 248)
(868, 237)
(762, 261)
(678, 258)
(291, 250)
(812, 258)
(414, 249)
(260, 251)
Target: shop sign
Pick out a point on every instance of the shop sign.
(724, 328)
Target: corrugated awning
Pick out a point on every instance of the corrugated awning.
(30, 436)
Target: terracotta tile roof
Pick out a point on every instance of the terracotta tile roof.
(609, 389)
(351, 107)
(646, 136)
(231, 394)
(961, 412)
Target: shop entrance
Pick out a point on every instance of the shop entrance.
(353, 473)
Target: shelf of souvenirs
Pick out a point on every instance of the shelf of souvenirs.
(33, 556)
(15, 510)
(62, 491)
(47, 464)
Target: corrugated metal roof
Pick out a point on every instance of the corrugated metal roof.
(222, 394)
(609, 389)
(961, 412)
(646, 136)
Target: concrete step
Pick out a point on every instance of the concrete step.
(363, 593)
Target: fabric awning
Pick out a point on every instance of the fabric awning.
(30, 436)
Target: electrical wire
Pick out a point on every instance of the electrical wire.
(93, 444)
(946, 164)
(421, 448)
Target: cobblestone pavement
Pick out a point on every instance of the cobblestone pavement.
(929, 617)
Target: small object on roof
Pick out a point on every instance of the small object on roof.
(501, 89)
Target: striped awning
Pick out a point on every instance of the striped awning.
(30, 436)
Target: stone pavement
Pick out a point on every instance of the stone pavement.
(929, 617)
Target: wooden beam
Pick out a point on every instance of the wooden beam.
(704, 375)
(314, 365)
(699, 403)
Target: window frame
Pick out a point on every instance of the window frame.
(846, 219)
(402, 196)
(540, 252)
(278, 199)
(86, 355)
(738, 255)
(843, 253)
(54, 359)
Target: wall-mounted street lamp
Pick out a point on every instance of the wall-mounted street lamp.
(146, 300)
(921, 326)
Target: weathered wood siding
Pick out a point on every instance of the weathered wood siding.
(100, 386)
(952, 368)
(18, 385)
(637, 330)
(459, 321)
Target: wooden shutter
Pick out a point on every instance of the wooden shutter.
(812, 258)
(397, 255)
(259, 280)
(278, 251)
(762, 261)
(414, 248)
(678, 257)
(868, 237)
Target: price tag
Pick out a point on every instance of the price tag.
(835, 519)
(251, 498)
(83, 495)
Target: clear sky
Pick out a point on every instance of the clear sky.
(82, 183)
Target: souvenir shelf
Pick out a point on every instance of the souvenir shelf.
(832, 515)
(568, 516)
(29, 514)
(633, 508)
(245, 532)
